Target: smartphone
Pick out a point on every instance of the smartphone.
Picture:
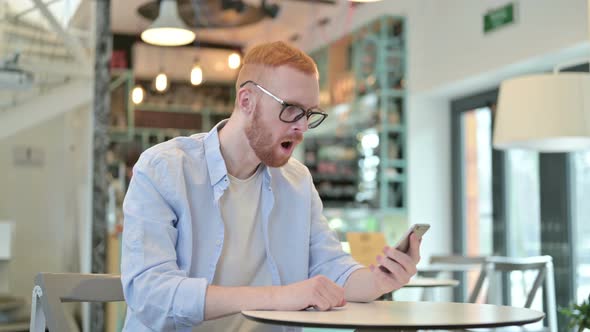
(404, 242)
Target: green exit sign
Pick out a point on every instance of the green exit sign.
(499, 17)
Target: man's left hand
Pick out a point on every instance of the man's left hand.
(396, 268)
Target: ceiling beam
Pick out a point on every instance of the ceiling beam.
(56, 68)
(38, 109)
(72, 43)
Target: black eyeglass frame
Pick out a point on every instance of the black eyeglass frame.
(307, 113)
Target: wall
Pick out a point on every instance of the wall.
(48, 204)
(456, 48)
(446, 43)
(429, 176)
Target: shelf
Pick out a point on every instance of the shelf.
(334, 195)
(395, 52)
(395, 178)
(400, 163)
(379, 51)
(395, 128)
(394, 211)
(334, 178)
(392, 93)
(392, 129)
(337, 161)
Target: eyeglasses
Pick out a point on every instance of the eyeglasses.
(292, 113)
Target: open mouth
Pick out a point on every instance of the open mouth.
(287, 145)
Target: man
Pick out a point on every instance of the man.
(226, 221)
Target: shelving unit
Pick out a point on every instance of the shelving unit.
(372, 120)
(379, 67)
(333, 163)
(157, 119)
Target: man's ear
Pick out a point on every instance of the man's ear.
(246, 101)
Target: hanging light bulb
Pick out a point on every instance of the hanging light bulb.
(168, 29)
(234, 60)
(137, 95)
(161, 82)
(196, 74)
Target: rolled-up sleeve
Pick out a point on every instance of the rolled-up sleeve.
(158, 294)
(326, 255)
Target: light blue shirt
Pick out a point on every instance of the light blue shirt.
(173, 233)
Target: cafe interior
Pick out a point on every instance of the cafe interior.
(470, 116)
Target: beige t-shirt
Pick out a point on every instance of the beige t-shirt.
(243, 259)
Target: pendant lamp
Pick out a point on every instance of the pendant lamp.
(168, 29)
(545, 113)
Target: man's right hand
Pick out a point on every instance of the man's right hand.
(318, 292)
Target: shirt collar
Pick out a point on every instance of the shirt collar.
(215, 162)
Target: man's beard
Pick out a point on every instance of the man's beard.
(261, 141)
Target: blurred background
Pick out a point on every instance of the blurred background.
(411, 88)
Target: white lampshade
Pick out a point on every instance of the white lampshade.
(546, 113)
(168, 29)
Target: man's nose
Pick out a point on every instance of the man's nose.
(301, 124)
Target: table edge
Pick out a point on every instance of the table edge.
(377, 327)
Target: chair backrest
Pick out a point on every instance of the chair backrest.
(543, 265)
(458, 263)
(51, 289)
(539, 264)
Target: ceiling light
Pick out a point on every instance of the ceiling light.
(546, 113)
(234, 60)
(196, 75)
(137, 95)
(168, 29)
(161, 82)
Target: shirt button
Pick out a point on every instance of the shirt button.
(218, 242)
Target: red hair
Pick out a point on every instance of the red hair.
(270, 56)
(278, 54)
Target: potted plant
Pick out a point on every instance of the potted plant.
(578, 315)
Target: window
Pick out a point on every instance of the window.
(523, 206)
(477, 172)
(581, 213)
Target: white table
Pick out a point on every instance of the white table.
(428, 285)
(446, 267)
(401, 316)
(431, 282)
